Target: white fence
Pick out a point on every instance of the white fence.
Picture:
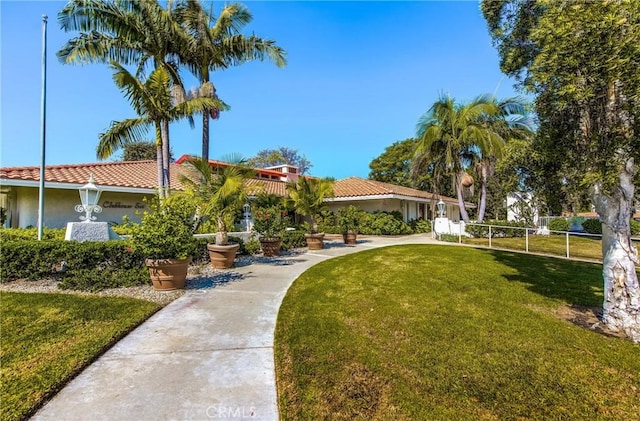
(532, 235)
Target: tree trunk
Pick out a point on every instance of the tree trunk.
(484, 175)
(205, 135)
(160, 171)
(621, 307)
(222, 238)
(463, 210)
(165, 157)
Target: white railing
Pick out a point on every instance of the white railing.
(533, 233)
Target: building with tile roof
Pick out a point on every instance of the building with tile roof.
(125, 185)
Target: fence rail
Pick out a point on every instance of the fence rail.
(556, 243)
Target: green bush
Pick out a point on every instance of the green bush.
(252, 246)
(328, 222)
(87, 266)
(635, 227)
(449, 238)
(166, 231)
(420, 226)
(293, 239)
(499, 229)
(11, 234)
(383, 223)
(592, 226)
(349, 218)
(559, 224)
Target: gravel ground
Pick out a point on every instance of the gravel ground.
(199, 277)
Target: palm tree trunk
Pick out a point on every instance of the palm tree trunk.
(222, 238)
(165, 157)
(205, 135)
(463, 210)
(483, 192)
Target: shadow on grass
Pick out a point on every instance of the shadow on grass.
(576, 283)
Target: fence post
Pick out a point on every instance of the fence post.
(567, 244)
(489, 236)
(526, 235)
(460, 235)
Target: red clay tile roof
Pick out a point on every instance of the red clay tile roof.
(143, 175)
(358, 187)
(135, 174)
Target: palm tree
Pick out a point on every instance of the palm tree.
(217, 43)
(153, 101)
(454, 136)
(220, 193)
(513, 122)
(306, 196)
(129, 33)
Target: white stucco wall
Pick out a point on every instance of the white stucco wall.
(59, 207)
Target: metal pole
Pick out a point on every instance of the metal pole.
(43, 116)
(567, 244)
(526, 235)
(489, 236)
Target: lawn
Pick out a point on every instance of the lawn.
(440, 332)
(48, 338)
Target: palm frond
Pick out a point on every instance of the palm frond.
(122, 133)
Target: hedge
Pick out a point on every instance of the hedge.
(86, 266)
(559, 224)
(592, 226)
(384, 223)
(14, 234)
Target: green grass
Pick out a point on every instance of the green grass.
(440, 333)
(48, 338)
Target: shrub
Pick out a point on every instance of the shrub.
(499, 229)
(559, 224)
(349, 219)
(87, 266)
(252, 246)
(635, 227)
(293, 239)
(449, 238)
(269, 222)
(592, 226)
(384, 223)
(420, 226)
(11, 234)
(328, 222)
(166, 231)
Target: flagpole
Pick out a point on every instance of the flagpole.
(43, 116)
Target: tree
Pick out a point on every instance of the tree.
(219, 193)
(152, 101)
(509, 120)
(128, 33)
(450, 136)
(581, 60)
(394, 166)
(306, 196)
(142, 151)
(281, 156)
(217, 43)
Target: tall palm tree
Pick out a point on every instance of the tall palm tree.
(512, 122)
(129, 33)
(217, 43)
(153, 101)
(445, 135)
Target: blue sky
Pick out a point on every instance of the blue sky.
(359, 76)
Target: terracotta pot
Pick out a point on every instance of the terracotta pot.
(350, 237)
(315, 241)
(222, 257)
(270, 246)
(168, 274)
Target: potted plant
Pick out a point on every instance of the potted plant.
(349, 221)
(269, 222)
(165, 237)
(220, 194)
(306, 196)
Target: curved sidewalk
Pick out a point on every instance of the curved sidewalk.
(207, 355)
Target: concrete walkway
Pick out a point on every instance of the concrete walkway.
(207, 355)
